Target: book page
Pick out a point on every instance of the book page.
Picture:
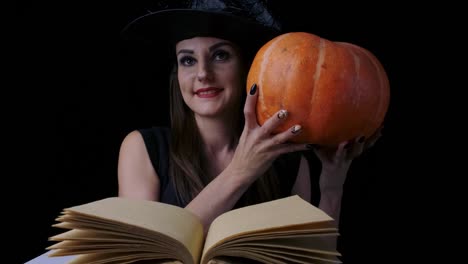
(273, 256)
(165, 219)
(288, 213)
(320, 243)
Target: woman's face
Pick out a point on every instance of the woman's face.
(209, 74)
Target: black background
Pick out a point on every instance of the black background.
(78, 97)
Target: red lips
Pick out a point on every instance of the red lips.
(208, 92)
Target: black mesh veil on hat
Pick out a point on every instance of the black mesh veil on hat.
(248, 23)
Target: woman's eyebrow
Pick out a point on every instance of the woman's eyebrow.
(185, 51)
(215, 46)
(219, 44)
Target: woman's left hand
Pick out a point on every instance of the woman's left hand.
(337, 160)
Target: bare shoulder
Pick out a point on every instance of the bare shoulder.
(134, 137)
(133, 146)
(137, 177)
(133, 141)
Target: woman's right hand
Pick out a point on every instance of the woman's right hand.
(256, 150)
(258, 147)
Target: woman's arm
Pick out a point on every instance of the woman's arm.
(138, 179)
(219, 196)
(302, 186)
(335, 166)
(330, 188)
(255, 153)
(331, 183)
(136, 175)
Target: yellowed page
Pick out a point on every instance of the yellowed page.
(282, 256)
(281, 234)
(100, 236)
(165, 219)
(317, 247)
(316, 243)
(281, 214)
(69, 249)
(246, 256)
(73, 222)
(117, 257)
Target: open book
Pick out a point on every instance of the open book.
(119, 230)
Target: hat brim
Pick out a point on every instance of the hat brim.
(163, 29)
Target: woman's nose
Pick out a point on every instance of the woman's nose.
(204, 72)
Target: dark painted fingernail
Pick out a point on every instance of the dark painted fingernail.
(361, 139)
(253, 89)
(311, 146)
(347, 145)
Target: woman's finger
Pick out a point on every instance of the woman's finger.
(373, 138)
(342, 149)
(357, 147)
(250, 107)
(331, 154)
(280, 149)
(273, 122)
(285, 136)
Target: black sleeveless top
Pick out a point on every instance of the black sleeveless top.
(157, 144)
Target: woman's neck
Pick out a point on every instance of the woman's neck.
(218, 135)
(219, 142)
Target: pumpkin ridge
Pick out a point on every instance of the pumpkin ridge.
(318, 73)
(356, 82)
(379, 91)
(267, 56)
(382, 76)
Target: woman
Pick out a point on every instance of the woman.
(215, 156)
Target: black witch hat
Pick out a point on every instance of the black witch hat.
(245, 22)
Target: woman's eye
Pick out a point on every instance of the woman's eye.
(187, 61)
(221, 55)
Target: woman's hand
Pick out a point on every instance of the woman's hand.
(337, 160)
(258, 147)
(256, 150)
(335, 165)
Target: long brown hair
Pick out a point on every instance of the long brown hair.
(186, 166)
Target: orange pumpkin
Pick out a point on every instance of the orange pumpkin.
(336, 91)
